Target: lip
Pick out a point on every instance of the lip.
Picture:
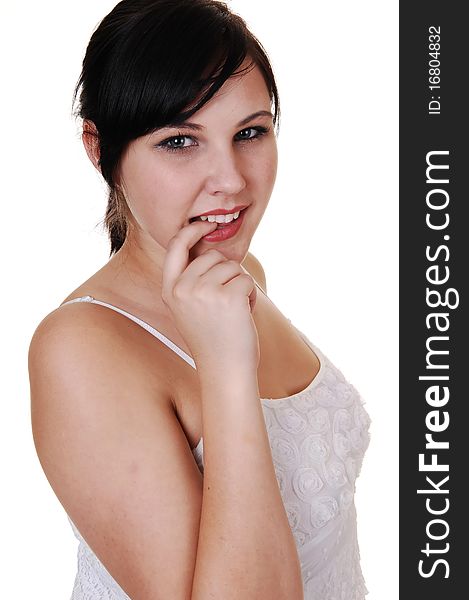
(226, 232)
(221, 211)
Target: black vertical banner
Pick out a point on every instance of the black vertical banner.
(434, 272)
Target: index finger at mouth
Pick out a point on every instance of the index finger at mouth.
(177, 255)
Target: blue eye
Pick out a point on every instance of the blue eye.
(166, 144)
(169, 146)
(260, 132)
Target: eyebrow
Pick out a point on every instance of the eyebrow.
(197, 127)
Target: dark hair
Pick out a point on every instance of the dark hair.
(146, 62)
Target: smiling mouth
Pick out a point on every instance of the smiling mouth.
(222, 224)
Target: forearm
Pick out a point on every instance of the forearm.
(246, 549)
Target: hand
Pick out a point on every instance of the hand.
(211, 300)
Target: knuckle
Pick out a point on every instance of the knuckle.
(215, 253)
(178, 290)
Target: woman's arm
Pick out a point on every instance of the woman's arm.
(114, 452)
(246, 549)
(244, 530)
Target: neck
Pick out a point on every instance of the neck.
(138, 270)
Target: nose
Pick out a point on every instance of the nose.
(224, 173)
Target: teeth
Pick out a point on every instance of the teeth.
(220, 218)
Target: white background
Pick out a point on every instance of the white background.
(328, 240)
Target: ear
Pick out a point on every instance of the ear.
(90, 138)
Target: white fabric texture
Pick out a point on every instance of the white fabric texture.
(318, 438)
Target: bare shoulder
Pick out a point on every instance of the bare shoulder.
(255, 268)
(85, 357)
(113, 450)
(83, 348)
(74, 331)
(89, 330)
(63, 325)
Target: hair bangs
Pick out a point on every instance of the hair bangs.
(150, 83)
(150, 63)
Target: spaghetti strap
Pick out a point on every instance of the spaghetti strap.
(140, 322)
(169, 343)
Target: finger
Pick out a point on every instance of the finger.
(205, 262)
(244, 284)
(254, 292)
(253, 298)
(219, 273)
(177, 255)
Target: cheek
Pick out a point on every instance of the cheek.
(160, 199)
(273, 168)
(264, 171)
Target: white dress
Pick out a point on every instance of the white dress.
(318, 438)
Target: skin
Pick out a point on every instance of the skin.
(164, 189)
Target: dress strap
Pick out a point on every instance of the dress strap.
(169, 343)
(140, 322)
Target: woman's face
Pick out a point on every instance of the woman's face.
(181, 172)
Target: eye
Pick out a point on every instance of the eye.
(177, 143)
(259, 130)
(176, 140)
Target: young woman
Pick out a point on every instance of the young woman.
(230, 473)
